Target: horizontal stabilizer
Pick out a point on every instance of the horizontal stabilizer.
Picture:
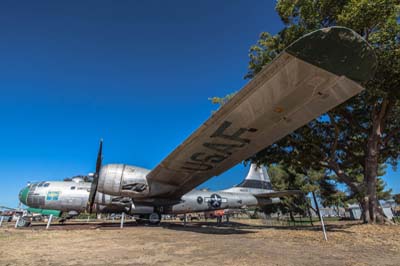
(279, 194)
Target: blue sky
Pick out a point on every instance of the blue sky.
(136, 73)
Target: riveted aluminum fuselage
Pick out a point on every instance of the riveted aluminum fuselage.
(64, 196)
(124, 188)
(58, 195)
(197, 201)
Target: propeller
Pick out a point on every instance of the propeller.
(95, 182)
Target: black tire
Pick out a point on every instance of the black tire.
(154, 218)
(23, 223)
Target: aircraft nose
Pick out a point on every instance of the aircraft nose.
(23, 194)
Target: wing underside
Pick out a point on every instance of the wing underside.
(302, 83)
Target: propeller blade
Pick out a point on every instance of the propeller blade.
(95, 182)
(99, 157)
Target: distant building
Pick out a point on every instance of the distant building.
(353, 212)
(332, 212)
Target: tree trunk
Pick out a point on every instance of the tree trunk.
(364, 201)
(291, 216)
(371, 164)
(371, 171)
(337, 210)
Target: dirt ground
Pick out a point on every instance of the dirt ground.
(243, 242)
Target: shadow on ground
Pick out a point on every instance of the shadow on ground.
(244, 228)
(196, 227)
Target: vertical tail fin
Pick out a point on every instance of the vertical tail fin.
(257, 178)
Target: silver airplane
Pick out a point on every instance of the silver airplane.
(72, 197)
(310, 77)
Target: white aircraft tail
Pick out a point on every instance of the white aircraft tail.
(257, 177)
(257, 181)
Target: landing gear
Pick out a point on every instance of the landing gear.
(22, 223)
(141, 220)
(155, 218)
(152, 218)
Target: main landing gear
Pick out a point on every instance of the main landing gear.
(152, 218)
(155, 218)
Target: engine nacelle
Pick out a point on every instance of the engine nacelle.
(141, 209)
(112, 204)
(103, 199)
(123, 180)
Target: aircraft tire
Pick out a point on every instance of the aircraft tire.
(154, 218)
(23, 223)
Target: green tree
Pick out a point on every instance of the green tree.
(396, 198)
(359, 135)
(284, 178)
(330, 194)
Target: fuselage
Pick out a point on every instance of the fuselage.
(72, 196)
(56, 195)
(199, 201)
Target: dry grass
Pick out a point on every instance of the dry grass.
(246, 242)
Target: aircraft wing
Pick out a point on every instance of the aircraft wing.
(313, 75)
(279, 194)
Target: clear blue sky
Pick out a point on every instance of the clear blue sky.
(136, 73)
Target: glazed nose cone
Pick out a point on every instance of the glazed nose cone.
(23, 194)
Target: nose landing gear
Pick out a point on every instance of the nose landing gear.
(22, 222)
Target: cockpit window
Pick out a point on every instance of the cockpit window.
(46, 185)
(40, 184)
(72, 188)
